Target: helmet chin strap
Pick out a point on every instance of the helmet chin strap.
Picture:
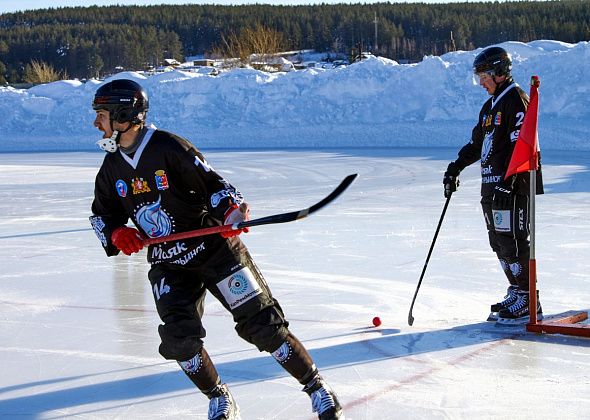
(110, 144)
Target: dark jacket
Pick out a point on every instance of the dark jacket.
(165, 187)
(493, 139)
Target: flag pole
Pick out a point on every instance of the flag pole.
(535, 82)
(532, 258)
(525, 159)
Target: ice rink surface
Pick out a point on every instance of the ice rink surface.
(78, 335)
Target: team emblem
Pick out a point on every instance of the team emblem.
(161, 180)
(498, 119)
(154, 221)
(140, 186)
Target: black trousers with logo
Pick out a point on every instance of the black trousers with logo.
(233, 278)
(508, 233)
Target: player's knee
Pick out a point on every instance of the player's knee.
(181, 340)
(267, 330)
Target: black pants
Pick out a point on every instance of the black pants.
(508, 233)
(233, 278)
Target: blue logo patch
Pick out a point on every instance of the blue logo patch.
(237, 284)
(153, 220)
(121, 188)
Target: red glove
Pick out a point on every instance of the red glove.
(236, 214)
(127, 240)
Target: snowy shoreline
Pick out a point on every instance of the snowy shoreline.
(373, 103)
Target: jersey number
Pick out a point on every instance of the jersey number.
(161, 290)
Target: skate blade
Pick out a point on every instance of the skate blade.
(492, 317)
(516, 321)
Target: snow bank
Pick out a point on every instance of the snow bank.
(374, 103)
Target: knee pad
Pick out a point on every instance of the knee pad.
(267, 330)
(181, 340)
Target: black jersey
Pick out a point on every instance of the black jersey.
(165, 187)
(493, 139)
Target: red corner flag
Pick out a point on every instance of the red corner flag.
(524, 158)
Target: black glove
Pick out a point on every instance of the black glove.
(451, 179)
(503, 198)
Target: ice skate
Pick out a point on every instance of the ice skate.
(323, 400)
(222, 405)
(518, 312)
(509, 299)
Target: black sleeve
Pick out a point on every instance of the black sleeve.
(198, 176)
(471, 152)
(107, 212)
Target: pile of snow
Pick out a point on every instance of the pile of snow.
(373, 103)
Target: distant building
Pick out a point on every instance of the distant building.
(204, 62)
(170, 62)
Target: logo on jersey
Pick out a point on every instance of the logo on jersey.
(161, 180)
(98, 225)
(238, 288)
(498, 119)
(486, 147)
(154, 221)
(139, 186)
(203, 163)
(121, 188)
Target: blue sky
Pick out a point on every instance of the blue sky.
(13, 5)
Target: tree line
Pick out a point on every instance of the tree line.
(92, 41)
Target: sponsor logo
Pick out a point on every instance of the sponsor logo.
(239, 287)
(487, 170)
(185, 259)
(492, 179)
(154, 221)
(161, 180)
(139, 186)
(521, 219)
(121, 188)
(502, 220)
(514, 135)
(237, 284)
(160, 254)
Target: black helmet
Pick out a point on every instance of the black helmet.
(125, 100)
(494, 60)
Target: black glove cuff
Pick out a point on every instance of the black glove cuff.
(453, 169)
